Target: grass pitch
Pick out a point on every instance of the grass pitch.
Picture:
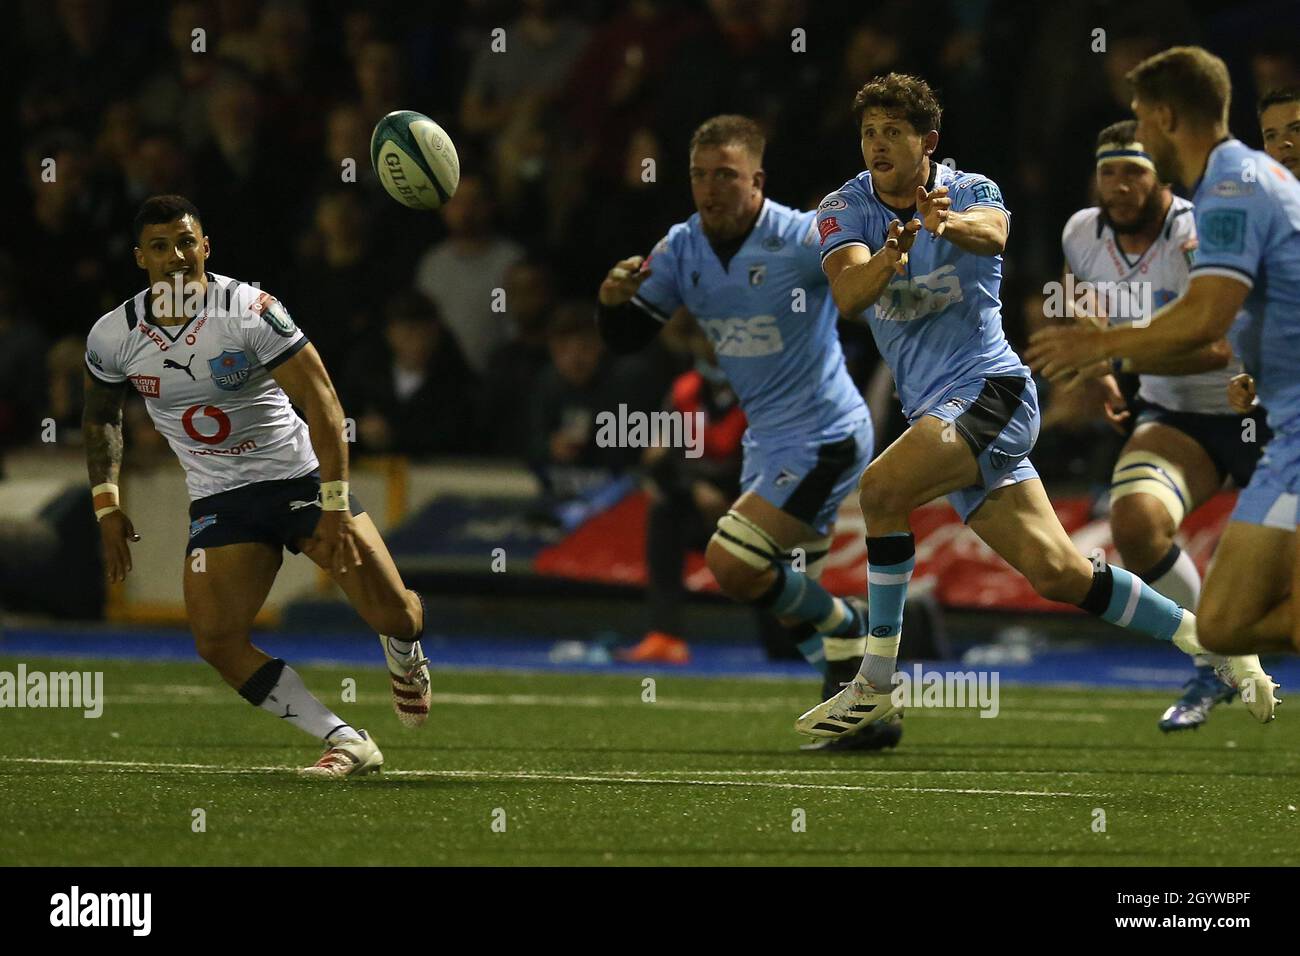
(581, 770)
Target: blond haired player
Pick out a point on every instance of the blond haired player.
(220, 365)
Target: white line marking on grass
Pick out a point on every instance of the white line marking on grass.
(196, 694)
(623, 777)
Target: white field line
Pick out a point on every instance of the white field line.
(196, 694)
(622, 777)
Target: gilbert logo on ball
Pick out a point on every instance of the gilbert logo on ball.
(415, 159)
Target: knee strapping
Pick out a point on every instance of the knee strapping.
(746, 541)
(1146, 473)
(810, 557)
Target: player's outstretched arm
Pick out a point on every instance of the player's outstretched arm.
(624, 327)
(980, 230)
(1202, 358)
(858, 278)
(101, 428)
(305, 381)
(1200, 317)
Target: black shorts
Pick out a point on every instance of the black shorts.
(1219, 435)
(279, 513)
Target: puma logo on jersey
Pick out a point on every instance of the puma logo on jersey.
(172, 363)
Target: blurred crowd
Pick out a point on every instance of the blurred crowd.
(469, 332)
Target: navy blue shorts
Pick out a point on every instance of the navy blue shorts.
(279, 513)
(1219, 435)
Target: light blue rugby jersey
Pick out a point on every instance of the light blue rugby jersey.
(941, 323)
(1248, 228)
(771, 319)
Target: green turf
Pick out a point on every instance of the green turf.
(586, 772)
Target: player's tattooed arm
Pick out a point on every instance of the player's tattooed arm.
(101, 426)
(305, 381)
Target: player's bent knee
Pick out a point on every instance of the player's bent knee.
(1060, 577)
(740, 555)
(1141, 531)
(879, 496)
(217, 646)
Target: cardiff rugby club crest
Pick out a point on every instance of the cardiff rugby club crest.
(230, 370)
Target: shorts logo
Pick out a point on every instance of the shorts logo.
(786, 477)
(957, 403)
(147, 385)
(230, 370)
(828, 227)
(1222, 230)
(198, 524)
(997, 457)
(757, 274)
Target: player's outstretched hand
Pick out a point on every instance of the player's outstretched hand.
(622, 281)
(899, 242)
(334, 545)
(933, 208)
(1061, 352)
(115, 530)
(1241, 394)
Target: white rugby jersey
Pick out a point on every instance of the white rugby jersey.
(1093, 254)
(208, 385)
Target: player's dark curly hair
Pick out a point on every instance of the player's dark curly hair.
(1125, 131)
(900, 95)
(160, 209)
(1288, 94)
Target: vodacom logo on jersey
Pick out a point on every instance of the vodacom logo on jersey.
(213, 418)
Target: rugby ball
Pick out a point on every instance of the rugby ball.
(415, 159)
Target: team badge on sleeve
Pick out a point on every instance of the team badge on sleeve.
(230, 370)
(1222, 230)
(828, 227)
(275, 314)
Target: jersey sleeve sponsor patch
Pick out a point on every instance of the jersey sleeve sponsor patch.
(986, 192)
(274, 314)
(827, 227)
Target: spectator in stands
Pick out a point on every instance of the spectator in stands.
(463, 274)
(22, 374)
(239, 183)
(513, 368)
(173, 94)
(506, 90)
(579, 383)
(341, 279)
(687, 497)
(409, 392)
